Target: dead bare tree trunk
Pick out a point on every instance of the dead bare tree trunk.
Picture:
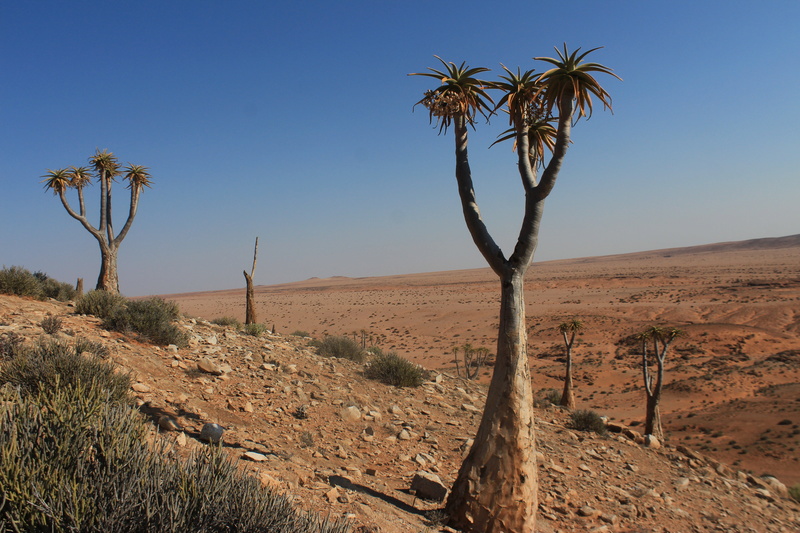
(79, 288)
(250, 305)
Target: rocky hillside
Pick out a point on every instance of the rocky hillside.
(346, 446)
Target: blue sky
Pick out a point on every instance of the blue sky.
(292, 121)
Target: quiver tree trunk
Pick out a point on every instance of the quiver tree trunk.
(568, 395)
(652, 425)
(79, 288)
(109, 277)
(496, 488)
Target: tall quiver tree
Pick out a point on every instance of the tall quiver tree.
(250, 304)
(104, 167)
(568, 330)
(496, 487)
(660, 339)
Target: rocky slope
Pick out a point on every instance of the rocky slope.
(342, 445)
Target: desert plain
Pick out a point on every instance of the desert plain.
(732, 383)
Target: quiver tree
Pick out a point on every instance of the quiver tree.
(105, 168)
(496, 487)
(660, 340)
(568, 331)
(250, 304)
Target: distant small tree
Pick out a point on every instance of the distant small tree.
(568, 331)
(105, 168)
(250, 305)
(660, 339)
(474, 359)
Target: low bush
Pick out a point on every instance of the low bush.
(73, 462)
(547, 397)
(227, 321)
(342, 347)
(54, 289)
(300, 333)
(99, 303)
(587, 420)
(51, 324)
(394, 370)
(153, 319)
(10, 343)
(256, 330)
(19, 281)
(76, 457)
(52, 364)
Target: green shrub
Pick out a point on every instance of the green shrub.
(73, 462)
(54, 289)
(392, 369)
(300, 333)
(587, 420)
(94, 348)
(546, 398)
(10, 343)
(153, 319)
(256, 330)
(19, 281)
(51, 324)
(52, 364)
(99, 303)
(227, 321)
(342, 347)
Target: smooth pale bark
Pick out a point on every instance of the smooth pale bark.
(652, 424)
(108, 280)
(568, 395)
(496, 488)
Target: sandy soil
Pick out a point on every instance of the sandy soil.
(733, 384)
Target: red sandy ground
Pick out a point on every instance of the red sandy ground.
(733, 384)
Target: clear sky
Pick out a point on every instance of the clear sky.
(292, 121)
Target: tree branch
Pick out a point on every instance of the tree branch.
(80, 218)
(472, 215)
(131, 214)
(552, 169)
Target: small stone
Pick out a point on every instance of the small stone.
(209, 367)
(429, 486)
(332, 495)
(588, 512)
(172, 348)
(254, 456)
(652, 442)
(180, 439)
(248, 407)
(211, 433)
(469, 408)
(350, 414)
(168, 423)
(404, 435)
(140, 387)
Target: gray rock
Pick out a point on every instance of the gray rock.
(429, 486)
(211, 433)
